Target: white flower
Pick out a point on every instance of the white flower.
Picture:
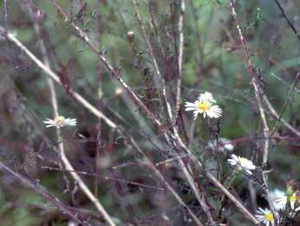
(265, 216)
(223, 145)
(60, 121)
(241, 163)
(204, 105)
(279, 199)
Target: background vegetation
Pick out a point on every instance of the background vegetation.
(129, 41)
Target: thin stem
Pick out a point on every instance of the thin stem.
(258, 93)
(100, 115)
(40, 190)
(216, 182)
(287, 19)
(150, 49)
(63, 156)
(5, 13)
(289, 95)
(109, 67)
(169, 111)
(180, 56)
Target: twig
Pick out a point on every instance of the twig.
(5, 13)
(109, 67)
(168, 186)
(64, 158)
(81, 183)
(287, 19)
(158, 73)
(100, 115)
(107, 178)
(210, 176)
(169, 110)
(40, 190)
(284, 82)
(55, 77)
(277, 116)
(217, 183)
(286, 102)
(180, 56)
(258, 93)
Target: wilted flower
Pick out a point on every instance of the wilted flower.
(130, 36)
(265, 216)
(279, 199)
(204, 105)
(241, 163)
(118, 91)
(295, 199)
(222, 145)
(60, 121)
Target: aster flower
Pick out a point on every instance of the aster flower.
(279, 199)
(241, 163)
(60, 121)
(265, 216)
(204, 105)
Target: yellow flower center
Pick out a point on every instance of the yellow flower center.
(203, 105)
(293, 198)
(243, 160)
(269, 216)
(59, 120)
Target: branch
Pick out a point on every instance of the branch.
(180, 56)
(158, 73)
(258, 92)
(287, 19)
(99, 115)
(109, 67)
(40, 190)
(63, 156)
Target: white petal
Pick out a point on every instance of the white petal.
(233, 156)
(190, 109)
(207, 96)
(248, 171)
(231, 162)
(190, 106)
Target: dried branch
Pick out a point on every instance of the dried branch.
(99, 115)
(180, 56)
(161, 79)
(5, 13)
(55, 107)
(289, 95)
(287, 19)
(40, 190)
(258, 93)
(109, 67)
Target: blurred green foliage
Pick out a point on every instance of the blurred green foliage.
(213, 61)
